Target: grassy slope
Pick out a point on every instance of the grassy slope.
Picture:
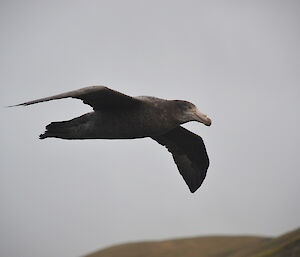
(287, 245)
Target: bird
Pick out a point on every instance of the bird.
(119, 116)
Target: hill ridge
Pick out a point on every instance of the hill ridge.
(209, 246)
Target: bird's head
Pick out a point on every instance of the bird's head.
(189, 112)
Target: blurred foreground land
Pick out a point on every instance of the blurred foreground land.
(287, 245)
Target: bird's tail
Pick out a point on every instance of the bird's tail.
(59, 129)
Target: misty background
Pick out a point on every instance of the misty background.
(238, 61)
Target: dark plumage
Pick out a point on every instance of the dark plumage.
(119, 116)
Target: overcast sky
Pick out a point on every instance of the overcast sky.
(238, 61)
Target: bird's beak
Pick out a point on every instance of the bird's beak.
(202, 118)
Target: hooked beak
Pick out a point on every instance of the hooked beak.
(202, 118)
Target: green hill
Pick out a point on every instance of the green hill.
(287, 245)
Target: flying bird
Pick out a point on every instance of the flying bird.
(119, 116)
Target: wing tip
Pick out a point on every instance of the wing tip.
(193, 189)
(15, 105)
(196, 181)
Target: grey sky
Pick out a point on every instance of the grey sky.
(238, 61)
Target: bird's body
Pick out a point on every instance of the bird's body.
(119, 116)
(123, 123)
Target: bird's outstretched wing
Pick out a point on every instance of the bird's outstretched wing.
(189, 154)
(98, 97)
